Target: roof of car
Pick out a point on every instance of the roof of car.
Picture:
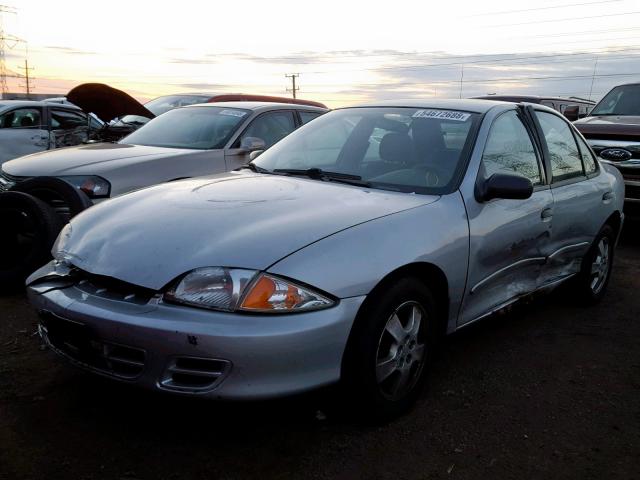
(256, 106)
(466, 104)
(35, 103)
(532, 98)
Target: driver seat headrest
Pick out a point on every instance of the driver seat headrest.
(397, 148)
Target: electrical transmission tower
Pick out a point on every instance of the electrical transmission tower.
(4, 41)
(293, 88)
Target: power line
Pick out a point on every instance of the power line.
(555, 20)
(505, 12)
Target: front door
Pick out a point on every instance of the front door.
(22, 131)
(509, 239)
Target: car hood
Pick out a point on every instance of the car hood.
(237, 219)
(106, 102)
(609, 126)
(75, 160)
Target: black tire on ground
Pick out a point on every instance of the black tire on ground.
(377, 345)
(592, 281)
(29, 228)
(65, 199)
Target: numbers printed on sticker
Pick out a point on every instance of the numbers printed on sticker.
(443, 114)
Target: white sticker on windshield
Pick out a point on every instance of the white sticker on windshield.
(443, 114)
(233, 113)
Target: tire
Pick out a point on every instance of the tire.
(65, 199)
(29, 228)
(379, 359)
(595, 272)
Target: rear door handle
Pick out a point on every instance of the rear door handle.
(546, 214)
(607, 196)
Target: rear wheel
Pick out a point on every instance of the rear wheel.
(596, 267)
(389, 349)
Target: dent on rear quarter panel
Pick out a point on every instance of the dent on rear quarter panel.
(352, 262)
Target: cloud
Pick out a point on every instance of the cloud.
(69, 51)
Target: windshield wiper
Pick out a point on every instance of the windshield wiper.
(254, 168)
(319, 174)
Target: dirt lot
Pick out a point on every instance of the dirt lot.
(551, 390)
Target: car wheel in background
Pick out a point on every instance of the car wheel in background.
(595, 272)
(65, 199)
(29, 228)
(389, 349)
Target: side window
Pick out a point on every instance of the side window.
(67, 119)
(306, 117)
(587, 157)
(565, 158)
(21, 118)
(271, 127)
(509, 149)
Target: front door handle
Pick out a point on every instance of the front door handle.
(546, 214)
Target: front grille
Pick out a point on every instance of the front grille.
(629, 173)
(632, 191)
(193, 374)
(76, 341)
(112, 288)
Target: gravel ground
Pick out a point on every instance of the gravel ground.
(550, 390)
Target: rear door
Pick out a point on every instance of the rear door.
(578, 197)
(509, 239)
(22, 131)
(68, 127)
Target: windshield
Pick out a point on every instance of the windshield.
(199, 128)
(161, 105)
(404, 149)
(622, 100)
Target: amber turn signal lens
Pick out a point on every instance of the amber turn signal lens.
(258, 298)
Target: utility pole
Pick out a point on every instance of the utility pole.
(461, 78)
(593, 77)
(28, 85)
(293, 88)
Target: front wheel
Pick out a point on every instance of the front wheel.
(596, 268)
(390, 348)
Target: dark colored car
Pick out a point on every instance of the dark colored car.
(573, 107)
(613, 131)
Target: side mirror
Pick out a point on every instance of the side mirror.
(255, 154)
(251, 144)
(571, 112)
(500, 185)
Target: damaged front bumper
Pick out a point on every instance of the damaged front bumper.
(188, 350)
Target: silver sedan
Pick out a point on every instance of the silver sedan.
(342, 254)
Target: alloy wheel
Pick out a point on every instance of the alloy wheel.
(401, 350)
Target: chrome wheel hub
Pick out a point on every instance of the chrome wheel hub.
(600, 266)
(401, 350)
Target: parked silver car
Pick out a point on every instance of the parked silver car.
(342, 253)
(185, 142)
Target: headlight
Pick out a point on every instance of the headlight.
(232, 289)
(93, 186)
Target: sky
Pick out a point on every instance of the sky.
(345, 52)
